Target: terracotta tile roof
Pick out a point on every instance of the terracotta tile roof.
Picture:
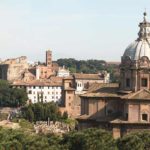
(123, 121)
(88, 76)
(56, 79)
(111, 120)
(37, 83)
(112, 90)
(100, 119)
(68, 78)
(103, 90)
(94, 86)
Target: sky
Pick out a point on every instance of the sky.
(80, 29)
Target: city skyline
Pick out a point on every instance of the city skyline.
(71, 29)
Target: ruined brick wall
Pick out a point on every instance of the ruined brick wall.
(13, 69)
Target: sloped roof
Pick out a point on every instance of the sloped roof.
(68, 78)
(122, 121)
(37, 83)
(142, 94)
(84, 76)
(112, 90)
(103, 90)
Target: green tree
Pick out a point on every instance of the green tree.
(65, 115)
(130, 142)
(41, 112)
(11, 97)
(90, 139)
(145, 137)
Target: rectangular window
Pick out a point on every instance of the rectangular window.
(144, 82)
(29, 92)
(127, 82)
(144, 117)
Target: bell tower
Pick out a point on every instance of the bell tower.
(49, 58)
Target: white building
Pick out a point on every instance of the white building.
(41, 91)
(63, 72)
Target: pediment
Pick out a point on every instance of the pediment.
(142, 94)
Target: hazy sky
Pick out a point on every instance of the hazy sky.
(81, 29)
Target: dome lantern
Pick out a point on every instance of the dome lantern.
(141, 46)
(144, 32)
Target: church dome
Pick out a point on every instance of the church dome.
(141, 46)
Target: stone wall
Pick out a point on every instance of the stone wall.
(13, 69)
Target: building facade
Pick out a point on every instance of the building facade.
(124, 107)
(41, 91)
(82, 81)
(63, 72)
(45, 71)
(76, 85)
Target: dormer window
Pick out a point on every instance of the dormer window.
(144, 82)
(127, 82)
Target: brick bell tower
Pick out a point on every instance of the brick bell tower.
(49, 58)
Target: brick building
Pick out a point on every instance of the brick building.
(123, 107)
(75, 85)
(44, 71)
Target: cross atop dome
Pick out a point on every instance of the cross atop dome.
(145, 16)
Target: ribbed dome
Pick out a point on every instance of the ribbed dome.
(140, 47)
